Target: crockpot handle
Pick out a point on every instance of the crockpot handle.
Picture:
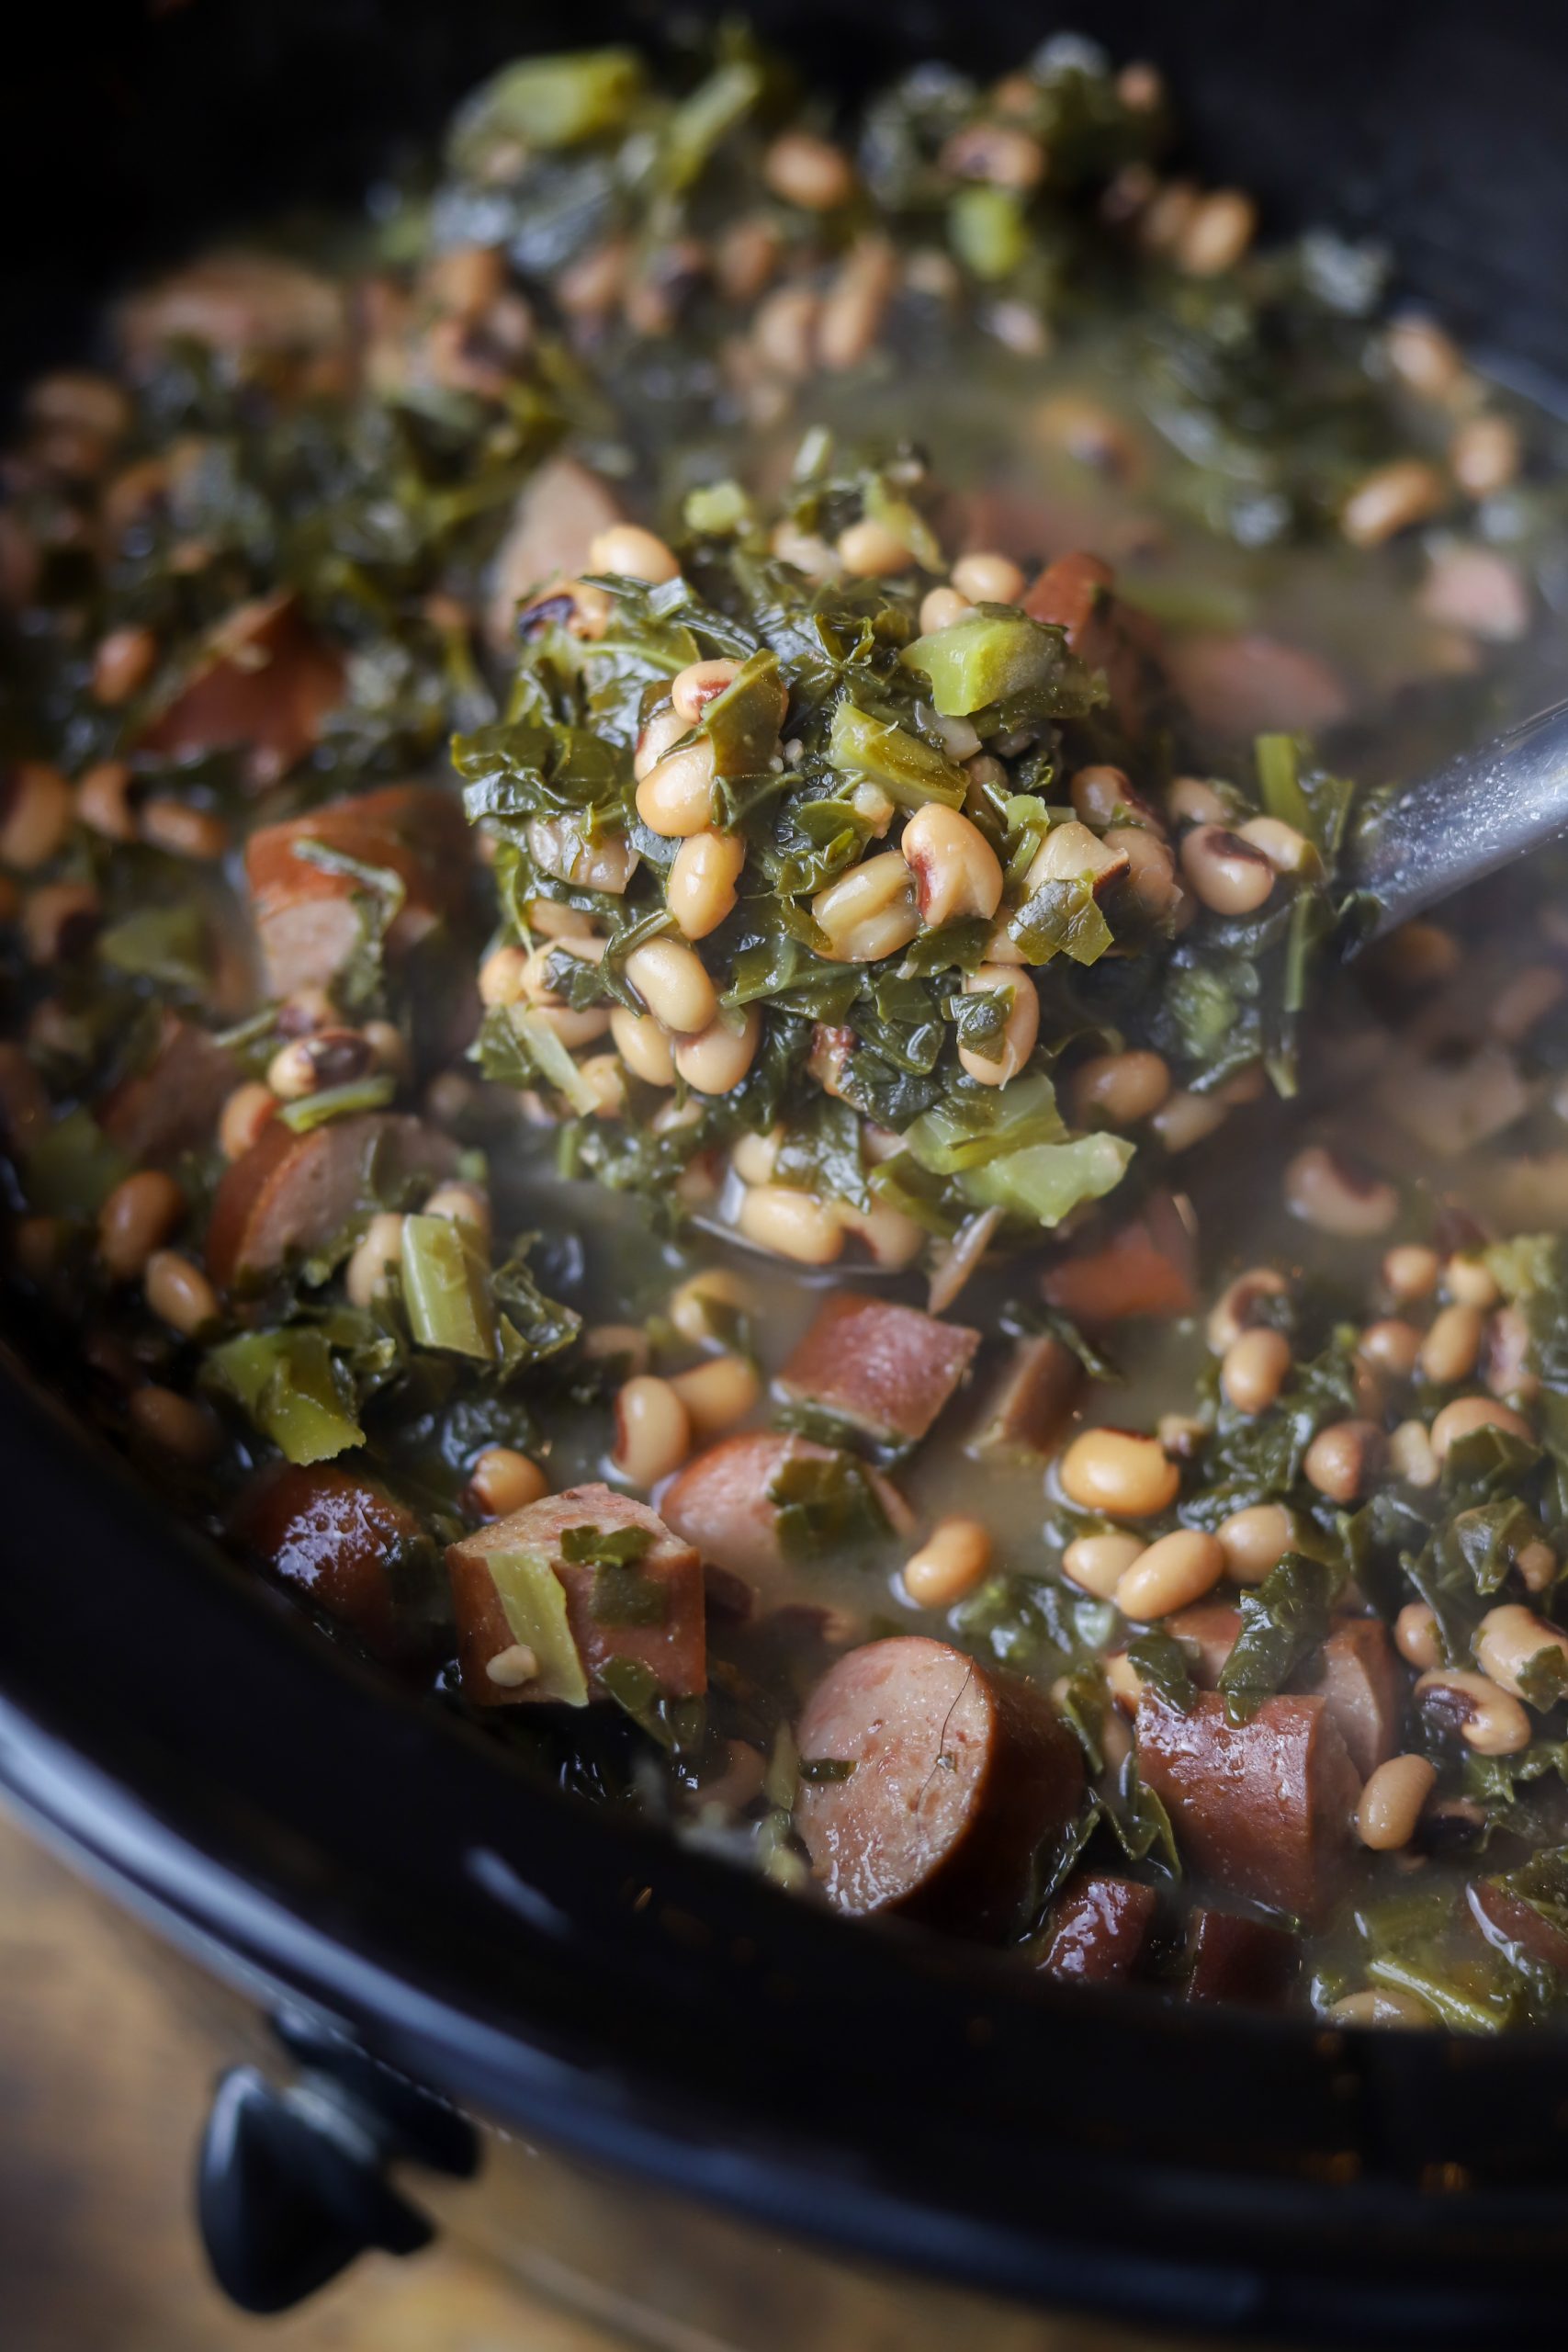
(291, 2183)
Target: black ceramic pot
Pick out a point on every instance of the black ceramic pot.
(570, 1976)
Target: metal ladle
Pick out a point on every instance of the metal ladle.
(1480, 811)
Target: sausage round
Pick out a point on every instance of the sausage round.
(959, 1776)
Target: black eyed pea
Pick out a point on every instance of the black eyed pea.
(1216, 234)
(1392, 1346)
(869, 912)
(1452, 1345)
(692, 689)
(1392, 499)
(181, 1427)
(1423, 357)
(606, 1077)
(1175, 1571)
(718, 1392)
(1020, 1030)
(1380, 2005)
(1254, 1368)
(1484, 454)
(1507, 1639)
(625, 551)
(956, 871)
(643, 1045)
(310, 1065)
(1236, 1308)
(1486, 1718)
(1120, 1473)
(1325, 1190)
(950, 1562)
(1410, 1455)
(1288, 851)
(1097, 1564)
(700, 892)
(653, 1430)
(1185, 1120)
(716, 1059)
(1256, 1539)
(658, 733)
(705, 1306)
(35, 814)
(1229, 874)
(871, 551)
(673, 981)
(988, 578)
(1415, 1637)
(942, 608)
(1150, 867)
(1469, 1282)
(1193, 800)
(138, 1216)
(1410, 1272)
(791, 1224)
(1468, 1413)
(1343, 1459)
(809, 172)
(675, 797)
(503, 1481)
(1121, 1088)
(892, 1238)
(179, 1294)
(1391, 1802)
(374, 1259)
(754, 1158)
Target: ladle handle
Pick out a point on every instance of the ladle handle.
(1464, 820)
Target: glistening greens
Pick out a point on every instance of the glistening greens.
(672, 857)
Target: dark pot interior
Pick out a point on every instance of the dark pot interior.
(576, 1975)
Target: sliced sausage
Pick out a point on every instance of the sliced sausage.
(560, 511)
(172, 1104)
(721, 1502)
(959, 1774)
(1263, 1807)
(1207, 1632)
(307, 916)
(290, 1194)
(1074, 594)
(667, 1634)
(1506, 1918)
(887, 1370)
(263, 685)
(1234, 1959)
(1150, 1267)
(1363, 1688)
(1234, 686)
(1098, 1929)
(243, 304)
(342, 1543)
(1033, 1403)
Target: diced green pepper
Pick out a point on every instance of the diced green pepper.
(547, 102)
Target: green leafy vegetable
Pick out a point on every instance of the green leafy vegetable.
(1283, 1620)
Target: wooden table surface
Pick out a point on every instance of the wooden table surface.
(104, 2087)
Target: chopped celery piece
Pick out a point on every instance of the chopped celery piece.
(547, 102)
(984, 659)
(1063, 918)
(988, 230)
(530, 1595)
(1278, 777)
(706, 116)
(338, 1103)
(552, 1059)
(74, 1168)
(717, 509)
(446, 1291)
(910, 771)
(294, 1390)
(1046, 1180)
(946, 1141)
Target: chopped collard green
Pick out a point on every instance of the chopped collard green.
(720, 666)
